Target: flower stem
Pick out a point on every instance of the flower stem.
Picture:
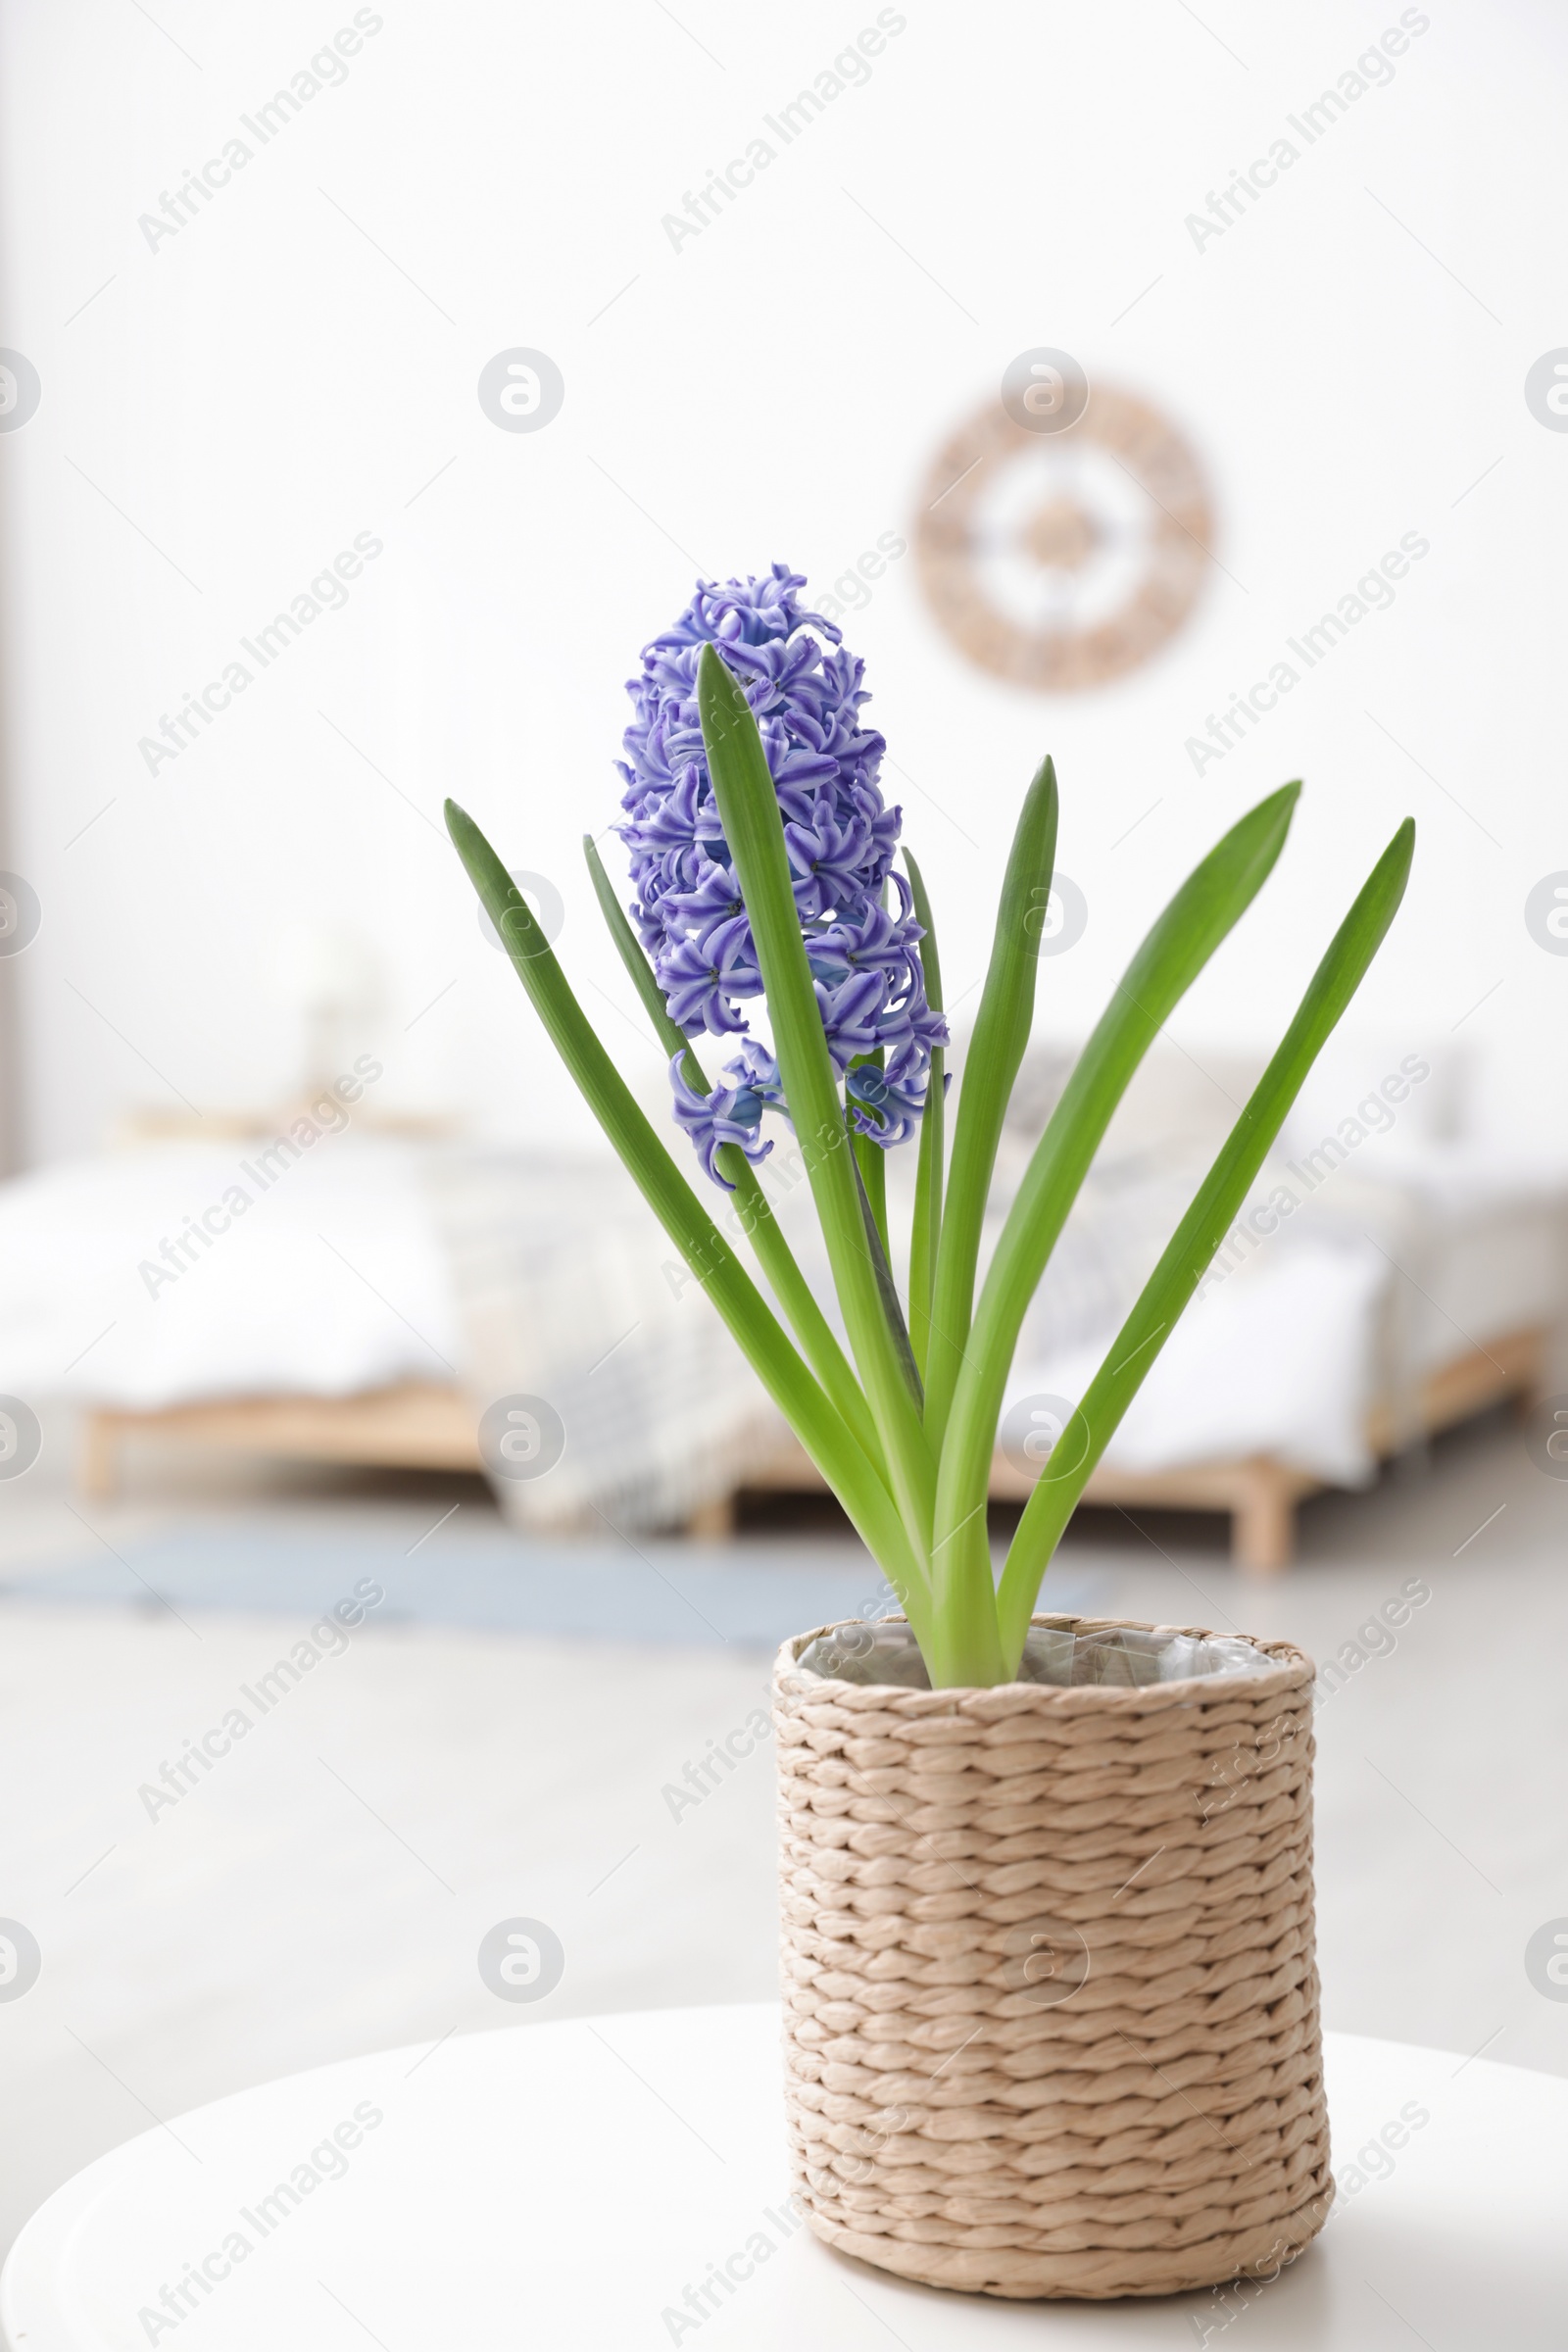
(749, 811)
(753, 1208)
(820, 1429)
(926, 1232)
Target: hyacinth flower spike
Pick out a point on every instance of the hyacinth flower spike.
(761, 864)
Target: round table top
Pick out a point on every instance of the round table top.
(621, 2183)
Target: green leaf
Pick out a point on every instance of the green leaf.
(629, 948)
(752, 1209)
(887, 1288)
(753, 1213)
(872, 1169)
(1199, 1235)
(1202, 913)
(926, 1233)
(1001, 1034)
(754, 829)
(820, 1429)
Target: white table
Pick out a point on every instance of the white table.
(561, 2187)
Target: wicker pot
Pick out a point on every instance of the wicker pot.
(1051, 2000)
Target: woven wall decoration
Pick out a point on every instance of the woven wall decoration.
(1062, 559)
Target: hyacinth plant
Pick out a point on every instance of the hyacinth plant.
(762, 867)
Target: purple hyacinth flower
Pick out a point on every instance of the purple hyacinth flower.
(826, 859)
(702, 975)
(729, 1115)
(806, 692)
(884, 1104)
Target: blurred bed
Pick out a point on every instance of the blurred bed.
(363, 1297)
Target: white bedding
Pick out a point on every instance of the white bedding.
(368, 1260)
(1279, 1359)
(329, 1279)
(1384, 1272)
(569, 1291)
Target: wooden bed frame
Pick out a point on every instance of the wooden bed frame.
(414, 1427)
(426, 1427)
(1258, 1493)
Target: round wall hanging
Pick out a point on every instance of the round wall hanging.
(1063, 531)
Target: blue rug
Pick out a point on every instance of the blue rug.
(750, 1595)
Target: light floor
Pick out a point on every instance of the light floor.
(324, 1889)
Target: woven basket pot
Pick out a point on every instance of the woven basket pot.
(1051, 2000)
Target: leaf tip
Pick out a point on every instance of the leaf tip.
(1277, 813)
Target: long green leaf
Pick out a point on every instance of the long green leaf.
(887, 1288)
(1202, 913)
(752, 1209)
(629, 948)
(926, 1232)
(820, 1429)
(871, 1168)
(749, 812)
(1199, 1235)
(997, 1047)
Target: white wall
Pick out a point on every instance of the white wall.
(234, 407)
